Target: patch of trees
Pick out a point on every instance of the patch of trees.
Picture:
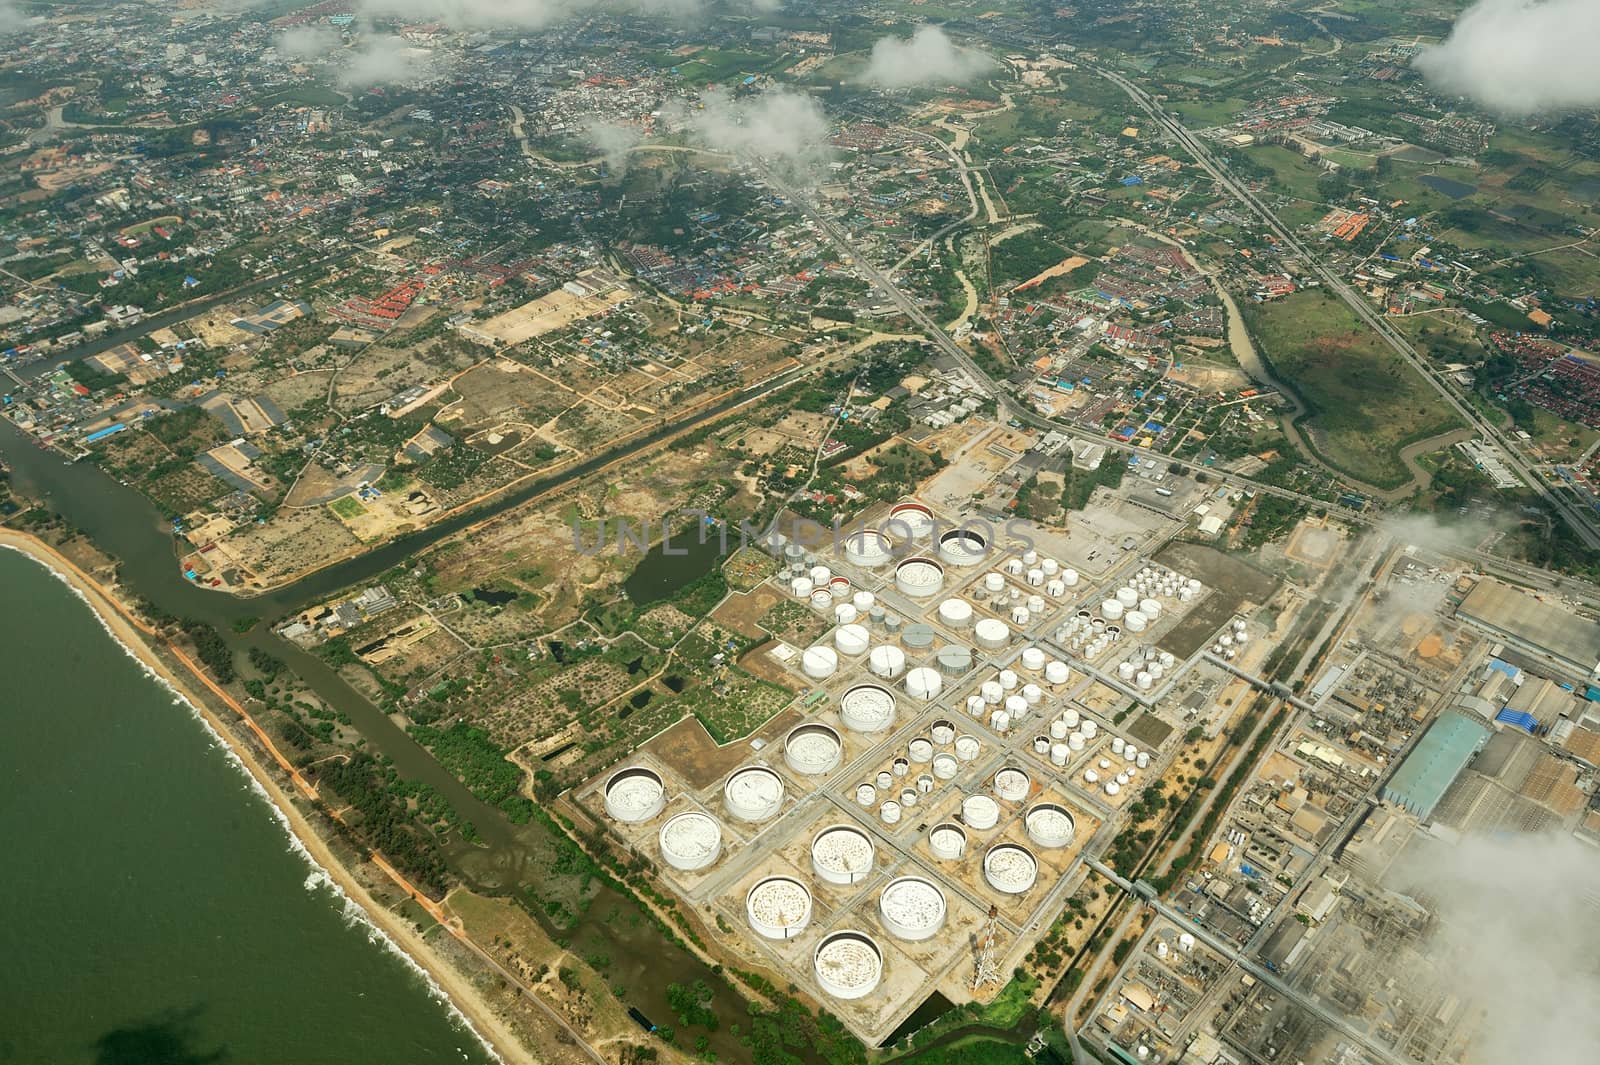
(385, 820)
(212, 650)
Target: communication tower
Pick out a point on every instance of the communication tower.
(988, 971)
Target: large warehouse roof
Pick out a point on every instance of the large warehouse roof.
(1533, 623)
(1439, 757)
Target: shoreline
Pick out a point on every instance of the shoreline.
(444, 979)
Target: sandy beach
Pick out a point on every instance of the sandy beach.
(134, 636)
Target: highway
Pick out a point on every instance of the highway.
(1569, 511)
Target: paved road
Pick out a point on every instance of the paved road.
(1569, 511)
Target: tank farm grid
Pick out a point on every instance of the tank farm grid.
(954, 752)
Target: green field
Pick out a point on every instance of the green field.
(347, 507)
(1364, 403)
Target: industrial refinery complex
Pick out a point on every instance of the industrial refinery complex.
(978, 715)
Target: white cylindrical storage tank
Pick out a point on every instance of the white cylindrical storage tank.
(778, 907)
(1055, 588)
(1125, 671)
(977, 706)
(886, 661)
(1186, 942)
(819, 663)
(812, 748)
(821, 575)
(863, 602)
(980, 812)
(926, 783)
(1041, 745)
(947, 841)
(956, 613)
(1010, 869)
(962, 547)
(1056, 672)
(1020, 616)
(1008, 680)
(920, 750)
(919, 577)
(1035, 578)
(1058, 754)
(1127, 597)
(820, 599)
(1035, 604)
(1155, 670)
(911, 521)
(1058, 729)
(1111, 610)
(1122, 779)
(848, 964)
(1017, 707)
(1091, 776)
(1075, 741)
(635, 794)
(967, 748)
(991, 634)
(1048, 824)
(900, 767)
(1069, 577)
(868, 549)
(994, 582)
(912, 908)
(944, 766)
(889, 812)
(1032, 658)
(1117, 744)
(1112, 787)
(842, 854)
(1069, 717)
(866, 795)
(1150, 608)
(1167, 660)
(943, 732)
(754, 793)
(845, 614)
(1089, 729)
(1032, 694)
(1143, 760)
(690, 841)
(839, 587)
(1135, 621)
(924, 683)
(1000, 721)
(851, 639)
(801, 587)
(1050, 566)
(1011, 784)
(992, 692)
(1030, 557)
(1142, 681)
(867, 708)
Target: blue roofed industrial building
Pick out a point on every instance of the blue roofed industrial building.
(1433, 765)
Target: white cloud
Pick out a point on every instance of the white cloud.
(614, 140)
(1515, 933)
(1521, 57)
(386, 60)
(12, 17)
(927, 57)
(306, 42)
(786, 128)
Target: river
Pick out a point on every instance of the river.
(156, 908)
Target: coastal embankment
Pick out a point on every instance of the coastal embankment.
(227, 719)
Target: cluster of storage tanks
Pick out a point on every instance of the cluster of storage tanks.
(1231, 640)
(916, 771)
(692, 840)
(848, 963)
(1068, 733)
(1146, 668)
(1119, 769)
(1007, 699)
